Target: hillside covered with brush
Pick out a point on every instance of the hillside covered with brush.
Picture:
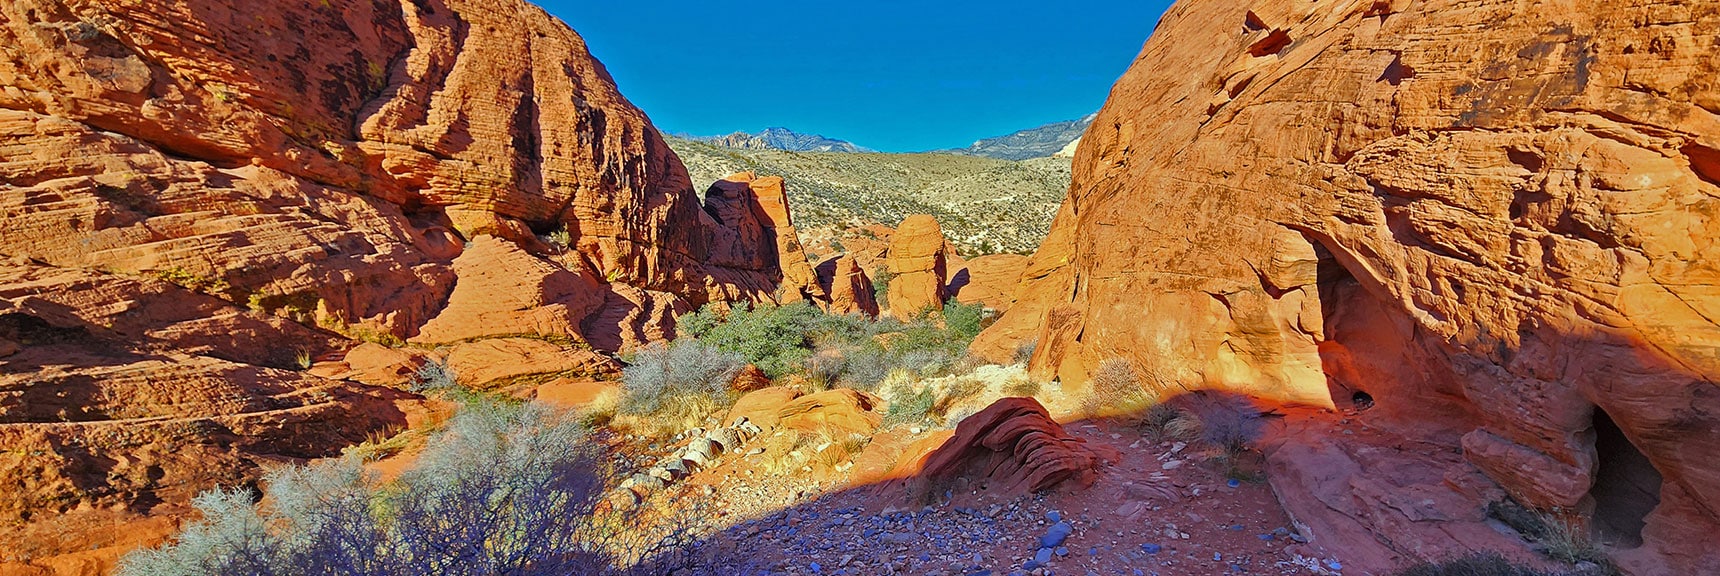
(985, 205)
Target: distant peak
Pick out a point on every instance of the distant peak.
(1047, 140)
(780, 138)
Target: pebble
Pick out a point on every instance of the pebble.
(1056, 535)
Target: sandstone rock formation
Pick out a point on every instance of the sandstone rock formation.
(918, 266)
(1487, 222)
(757, 234)
(216, 192)
(1010, 448)
(851, 289)
(988, 280)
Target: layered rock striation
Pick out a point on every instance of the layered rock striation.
(201, 198)
(1493, 225)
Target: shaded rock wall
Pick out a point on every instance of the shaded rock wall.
(198, 197)
(1496, 219)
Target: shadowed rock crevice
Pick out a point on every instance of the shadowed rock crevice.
(1626, 486)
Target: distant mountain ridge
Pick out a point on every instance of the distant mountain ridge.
(985, 205)
(778, 138)
(1047, 140)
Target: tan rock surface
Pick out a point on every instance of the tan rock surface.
(989, 280)
(851, 290)
(757, 233)
(835, 413)
(504, 291)
(918, 264)
(763, 406)
(1493, 221)
(491, 362)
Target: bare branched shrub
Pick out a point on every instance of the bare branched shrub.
(826, 368)
(433, 376)
(1227, 421)
(679, 379)
(1024, 350)
(1116, 389)
(500, 490)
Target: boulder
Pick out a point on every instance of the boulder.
(1010, 448)
(373, 363)
(489, 363)
(748, 379)
(837, 412)
(988, 280)
(918, 266)
(500, 290)
(756, 232)
(761, 407)
(1487, 224)
(850, 288)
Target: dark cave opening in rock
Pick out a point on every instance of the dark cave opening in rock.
(1341, 299)
(1362, 400)
(1626, 487)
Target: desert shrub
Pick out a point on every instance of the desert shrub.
(1024, 350)
(964, 320)
(1477, 564)
(774, 338)
(881, 277)
(433, 376)
(502, 489)
(1227, 421)
(1117, 388)
(1157, 418)
(1568, 541)
(952, 393)
(909, 405)
(826, 368)
(1184, 426)
(1022, 388)
(679, 378)
(863, 367)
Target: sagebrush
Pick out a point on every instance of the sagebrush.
(502, 489)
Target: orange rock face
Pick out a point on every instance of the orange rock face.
(851, 291)
(756, 233)
(211, 193)
(918, 264)
(988, 280)
(1492, 224)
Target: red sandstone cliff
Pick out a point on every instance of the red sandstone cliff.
(196, 197)
(1497, 219)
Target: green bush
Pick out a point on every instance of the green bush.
(881, 277)
(964, 320)
(774, 338)
(909, 406)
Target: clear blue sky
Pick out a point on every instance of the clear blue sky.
(890, 75)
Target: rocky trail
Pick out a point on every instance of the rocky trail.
(1163, 507)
